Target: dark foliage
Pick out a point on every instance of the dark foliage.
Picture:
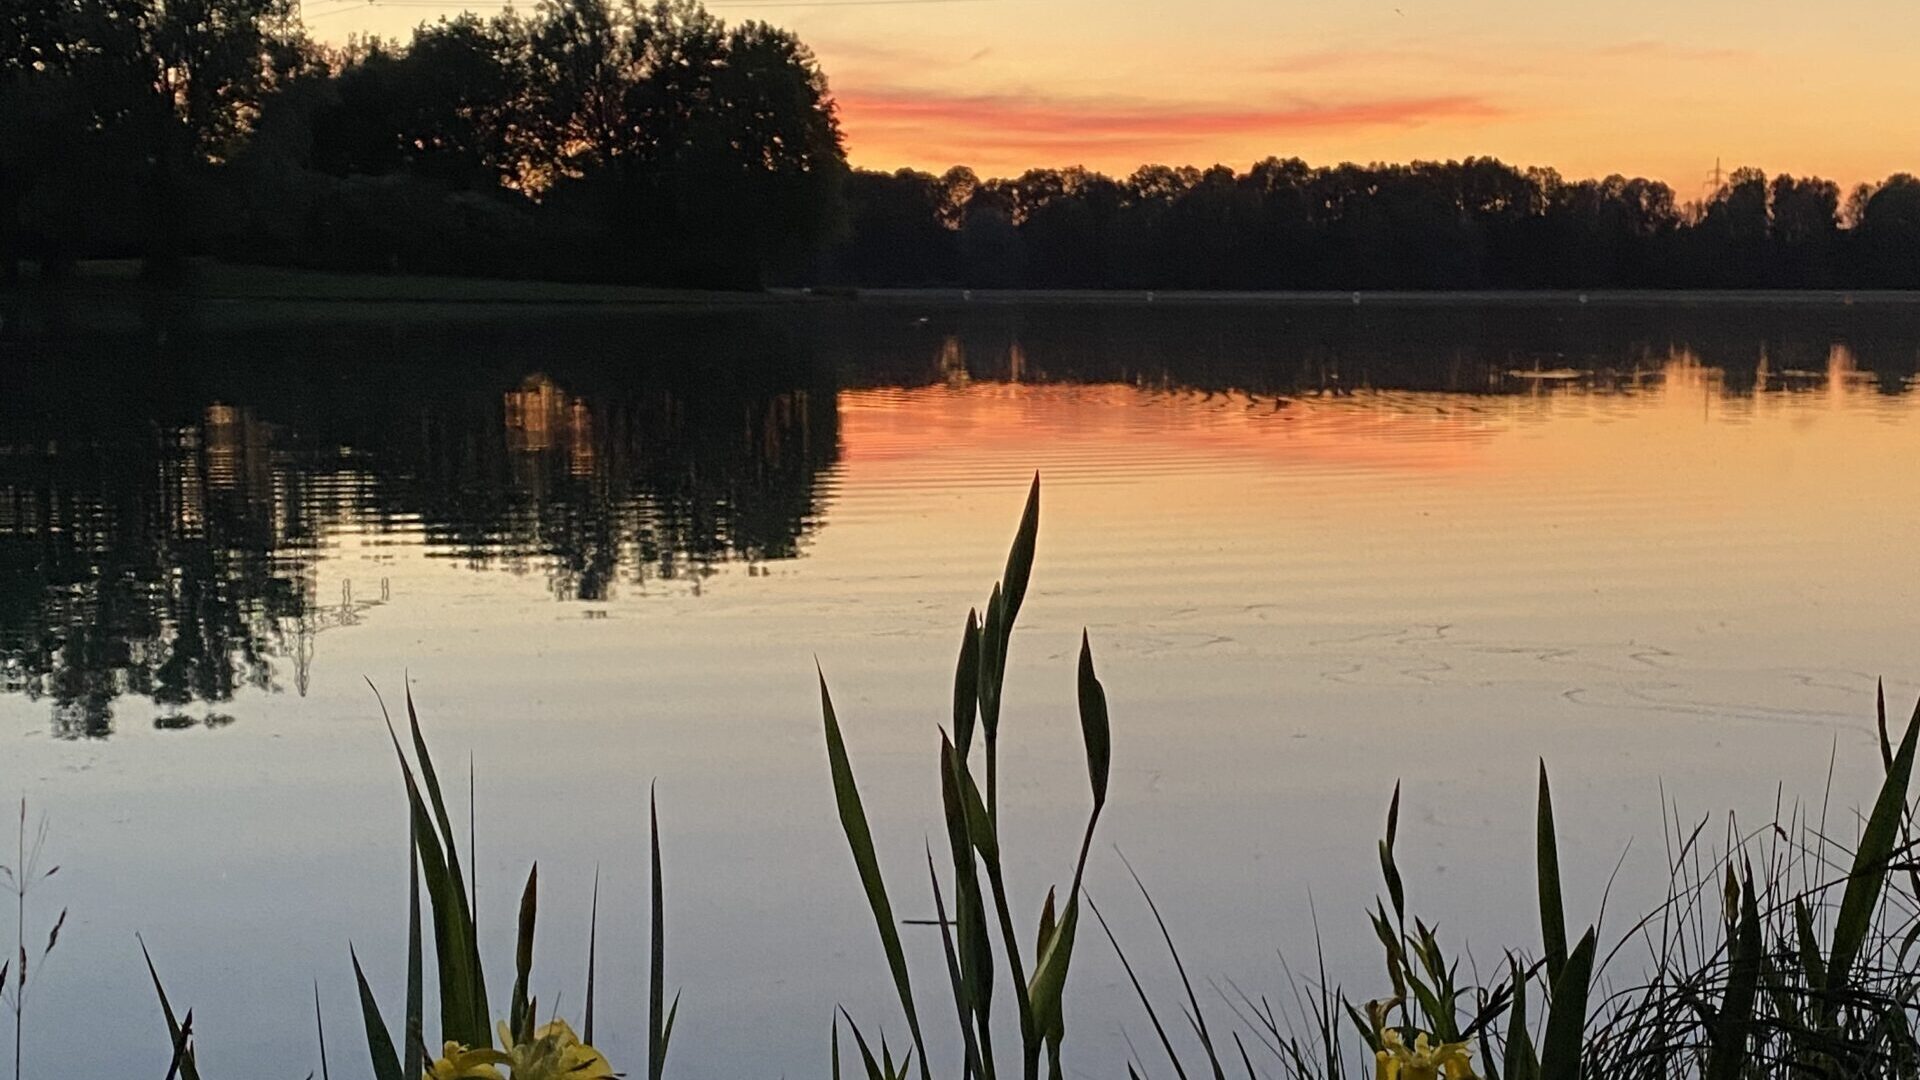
(1473, 224)
(586, 140)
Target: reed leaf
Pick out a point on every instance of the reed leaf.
(320, 1032)
(519, 1016)
(386, 1063)
(1870, 862)
(853, 822)
(962, 997)
(1563, 1045)
(1727, 1060)
(180, 1035)
(415, 1032)
(593, 959)
(659, 1031)
(1520, 1062)
(966, 685)
(1020, 556)
(975, 950)
(1553, 916)
(1809, 945)
(1095, 731)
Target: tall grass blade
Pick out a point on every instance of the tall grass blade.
(962, 999)
(473, 847)
(966, 686)
(386, 1063)
(593, 957)
(1521, 1064)
(1880, 724)
(415, 1033)
(320, 1031)
(871, 1063)
(658, 1030)
(181, 1035)
(1050, 972)
(975, 951)
(1811, 962)
(992, 673)
(182, 1063)
(430, 780)
(1020, 556)
(853, 822)
(1246, 1060)
(1049, 923)
(1553, 916)
(463, 997)
(666, 1030)
(1563, 1045)
(1095, 731)
(1870, 863)
(519, 1015)
(1389, 869)
(1728, 1058)
(1194, 1015)
(1153, 1016)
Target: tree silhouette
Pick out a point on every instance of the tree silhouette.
(652, 142)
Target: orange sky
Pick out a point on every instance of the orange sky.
(1656, 89)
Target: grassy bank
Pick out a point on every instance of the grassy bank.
(113, 297)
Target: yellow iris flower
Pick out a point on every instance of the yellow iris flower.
(459, 1063)
(555, 1053)
(1395, 1060)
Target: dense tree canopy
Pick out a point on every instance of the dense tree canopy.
(617, 140)
(590, 138)
(1283, 224)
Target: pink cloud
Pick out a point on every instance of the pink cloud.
(891, 123)
(1040, 114)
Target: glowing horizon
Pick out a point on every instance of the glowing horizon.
(1638, 88)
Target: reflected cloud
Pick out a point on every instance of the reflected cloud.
(180, 540)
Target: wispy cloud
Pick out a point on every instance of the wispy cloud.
(885, 61)
(1483, 58)
(891, 123)
(1649, 49)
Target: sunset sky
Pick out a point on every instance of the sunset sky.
(1632, 86)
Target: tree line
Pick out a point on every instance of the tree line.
(614, 140)
(589, 139)
(1284, 224)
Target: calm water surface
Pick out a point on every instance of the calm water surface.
(1318, 549)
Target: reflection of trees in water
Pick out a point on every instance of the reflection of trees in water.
(594, 490)
(153, 545)
(178, 562)
(159, 566)
(1334, 348)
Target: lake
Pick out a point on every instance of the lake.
(1318, 547)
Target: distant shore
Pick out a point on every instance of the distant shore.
(247, 294)
(1495, 297)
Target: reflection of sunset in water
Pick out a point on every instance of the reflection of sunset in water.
(1316, 551)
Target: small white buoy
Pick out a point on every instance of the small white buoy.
(1356, 297)
(1583, 298)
